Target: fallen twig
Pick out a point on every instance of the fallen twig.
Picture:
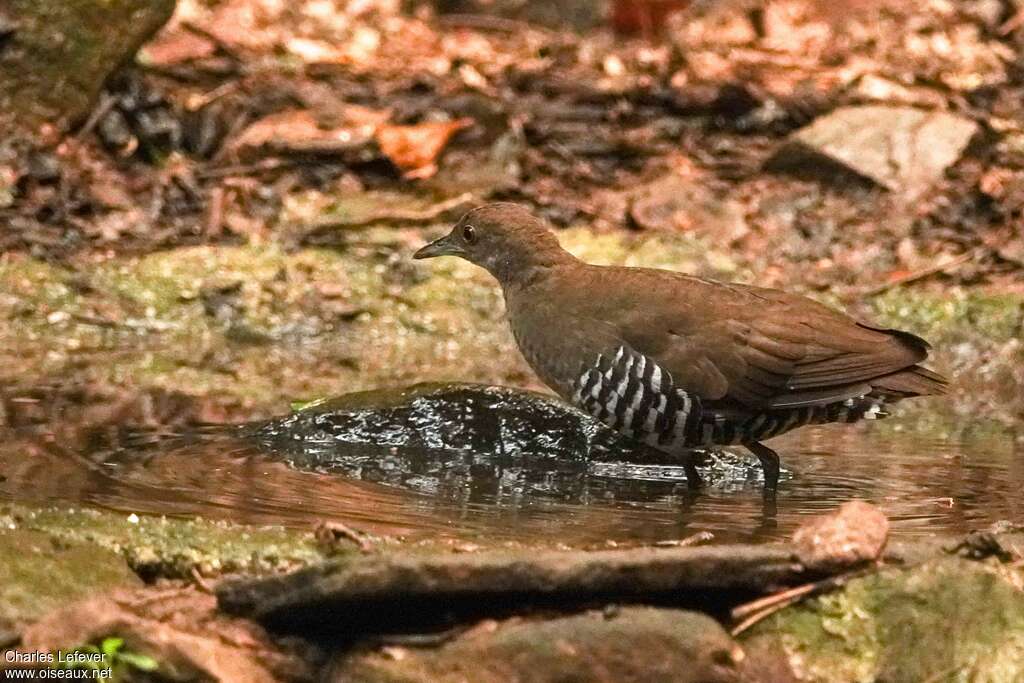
(262, 166)
(1012, 24)
(215, 213)
(200, 581)
(934, 269)
(420, 640)
(695, 539)
(106, 103)
(762, 608)
(329, 533)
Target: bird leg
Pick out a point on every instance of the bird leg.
(693, 479)
(769, 463)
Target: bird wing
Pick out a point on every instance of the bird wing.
(757, 347)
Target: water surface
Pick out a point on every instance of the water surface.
(947, 483)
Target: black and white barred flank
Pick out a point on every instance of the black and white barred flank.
(632, 394)
(635, 396)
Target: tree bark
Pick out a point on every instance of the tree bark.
(56, 54)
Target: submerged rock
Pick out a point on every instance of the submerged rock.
(429, 436)
(484, 420)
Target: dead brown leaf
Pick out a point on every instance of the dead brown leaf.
(415, 149)
(176, 47)
(313, 51)
(1005, 186)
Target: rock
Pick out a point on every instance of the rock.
(58, 53)
(632, 644)
(442, 416)
(457, 439)
(41, 573)
(900, 148)
(432, 433)
(853, 534)
(944, 620)
(402, 592)
(178, 628)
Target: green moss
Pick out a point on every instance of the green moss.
(161, 546)
(315, 322)
(41, 572)
(948, 620)
(956, 315)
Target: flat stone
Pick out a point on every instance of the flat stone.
(404, 592)
(900, 148)
(629, 644)
(161, 547)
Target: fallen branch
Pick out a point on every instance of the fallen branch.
(487, 22)
(1012, 24)
(262, 166)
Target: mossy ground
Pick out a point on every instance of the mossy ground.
(42, 572)
(166, 547)
(948, 620)
(259, 326)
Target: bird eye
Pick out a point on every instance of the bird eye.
(469, 234)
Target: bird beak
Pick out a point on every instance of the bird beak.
(444, 246)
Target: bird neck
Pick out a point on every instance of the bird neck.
(519, 269)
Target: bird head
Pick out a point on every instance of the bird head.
(504, 238)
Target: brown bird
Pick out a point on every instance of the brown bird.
(677, 361)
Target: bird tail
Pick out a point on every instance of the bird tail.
(913, 381)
